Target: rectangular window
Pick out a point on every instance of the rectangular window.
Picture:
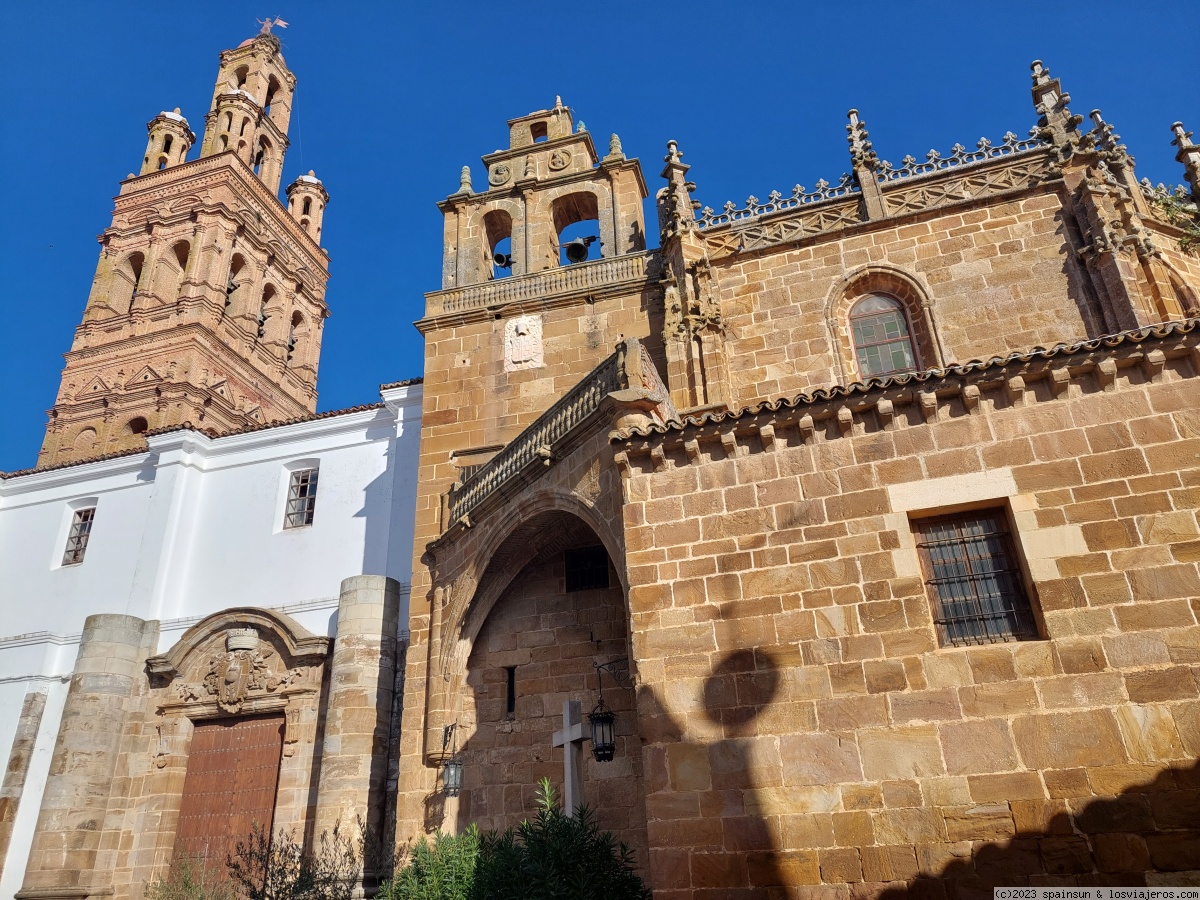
(973, 578)
(302, 499)
(510, 705)
(77, 540)
(587, 569)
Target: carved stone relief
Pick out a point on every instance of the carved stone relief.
(242, 670)
(500, 174)
(559, 160)
(523, 343)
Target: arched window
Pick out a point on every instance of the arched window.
(272, 90)
(232, 284)
(297, 321)
(137, 425)
(267, 294)
(883, 342)
(136, 260)
(576, 223)
(167, 144)
(497, 227)
(307, 210)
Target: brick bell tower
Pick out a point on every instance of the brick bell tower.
(209, 297)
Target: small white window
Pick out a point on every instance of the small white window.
(302, 499)
(77, 539)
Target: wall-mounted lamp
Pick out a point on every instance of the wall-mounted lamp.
(603, 719)
(452, 764)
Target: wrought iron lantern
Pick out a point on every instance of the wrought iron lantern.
(452, 773)
(452, 764)
(604, 745)
(603, 719)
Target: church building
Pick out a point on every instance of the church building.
(205, 582)
(844, 544)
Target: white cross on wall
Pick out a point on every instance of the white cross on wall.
(570, 738)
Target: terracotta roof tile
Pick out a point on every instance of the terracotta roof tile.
(188, 426)
(405, 383)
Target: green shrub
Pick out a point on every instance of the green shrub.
(279, 868)
(556, 857)
(443, 869)
(190, 880)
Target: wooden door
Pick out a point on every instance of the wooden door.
(232, 775)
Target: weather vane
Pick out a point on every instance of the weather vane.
(268, 23)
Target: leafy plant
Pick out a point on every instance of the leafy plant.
(1182, 215)
(279, 868)
(190, 880)
(443, 869)
(556, 857)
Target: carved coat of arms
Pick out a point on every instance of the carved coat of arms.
(242, 669)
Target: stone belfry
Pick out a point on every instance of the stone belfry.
(209, 297)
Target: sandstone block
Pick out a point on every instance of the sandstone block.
(908, 826)
(1174, 851)
(977, 746)
(1066, 740)
(1007, 786)
(783, 867)
(1120, 853)
(1149, 732)
(1041, 817)
(987, 822)
(819, 759)
(1066, 855)
(908, 752)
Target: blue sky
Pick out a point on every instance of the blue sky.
(394, 98)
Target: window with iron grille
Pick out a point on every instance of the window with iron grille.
(882, 339)
(77, 539)
(302, 499)
(974, 580)
(587, 569)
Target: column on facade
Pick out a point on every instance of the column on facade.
(67, 859)
(362, 676)
(19, 759)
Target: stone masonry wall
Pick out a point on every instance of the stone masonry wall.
(552, 639)
(994, 274)
(804, 728)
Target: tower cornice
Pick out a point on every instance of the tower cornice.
(172, 182)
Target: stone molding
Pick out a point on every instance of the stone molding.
(167, 183)
(548, 289)
(914, 195)
(916, 399)
(303, 648)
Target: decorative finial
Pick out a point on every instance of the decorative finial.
(558, 103)
(1057, 125)
(177, 112)
(614, 146)
(674, 154)
(312, 173)
(862, 153)
(1108, 140)
(580, 128)
(464, 180)
(1182, 138)
(1189, 155)
(269, 23)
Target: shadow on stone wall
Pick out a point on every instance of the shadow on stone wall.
(1147, 835)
